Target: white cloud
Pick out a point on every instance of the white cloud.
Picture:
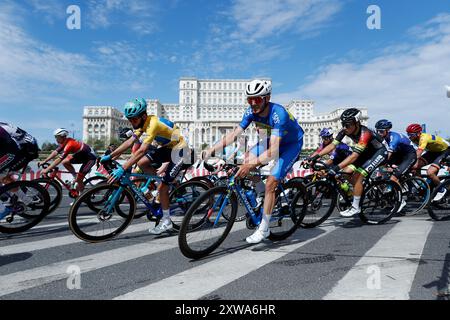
(404, 83)
(136, 15)
(257, 19)
(51, 10)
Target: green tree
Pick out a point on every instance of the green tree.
(96, 144)
(49, 146)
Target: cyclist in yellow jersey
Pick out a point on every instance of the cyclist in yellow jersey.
(172, 148)
(436, 149)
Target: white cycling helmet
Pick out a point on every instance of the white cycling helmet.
(258, 88)
(61, 132)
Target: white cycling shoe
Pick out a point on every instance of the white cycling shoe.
(257, 236)
(161, 227)
(440, 194)
(350, 212)
(402, 205)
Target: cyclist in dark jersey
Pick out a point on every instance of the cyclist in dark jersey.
(369, 152)
(341, 152)
(17, 149)
(283, 143)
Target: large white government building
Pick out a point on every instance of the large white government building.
(207, 109)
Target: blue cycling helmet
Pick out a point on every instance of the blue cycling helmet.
(326, 132)
(383, 124)
(135, 108)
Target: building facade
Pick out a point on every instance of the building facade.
(207, 109)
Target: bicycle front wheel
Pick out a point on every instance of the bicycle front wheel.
(416, 193)
(380, 201)
(54, 190)
(103, 223)
(26, 202)
(207, 214)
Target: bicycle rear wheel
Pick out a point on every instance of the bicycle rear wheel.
(181, 199)
(380, 201)
(206, 213)
(27, 203)
(289, 210)
(440, 210)
(106, 223)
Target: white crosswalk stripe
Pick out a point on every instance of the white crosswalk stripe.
(395, 254)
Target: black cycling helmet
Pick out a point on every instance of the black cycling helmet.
(351, 115)
(383, 124)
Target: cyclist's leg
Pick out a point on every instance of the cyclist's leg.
(404, 163)
(68, 163)
(434, 159)
(86, 166)
(154, 155)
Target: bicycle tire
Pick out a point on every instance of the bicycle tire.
(74, 211)
(413, 184)
(56, 200)
(186, 247)
(379, 191)
(312, 219)
(43, 206)
(440, 210)
(187, 201)
(288, 210)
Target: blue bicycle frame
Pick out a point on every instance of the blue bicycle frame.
(232, 187)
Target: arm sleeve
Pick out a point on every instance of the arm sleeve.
(340, 136)
(363, 142)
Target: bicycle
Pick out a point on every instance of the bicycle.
(27, 203)
(93, 223)
(380, 200)
(214, 213)
(415, 190)
(54, 185)
(440, 210)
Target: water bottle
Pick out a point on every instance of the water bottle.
(147, 193)
(344, 186)
(251, 196)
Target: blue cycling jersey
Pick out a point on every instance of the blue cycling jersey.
(398, 142)
(279, 123)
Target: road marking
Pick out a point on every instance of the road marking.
(31, 278)
(199, 281)
(395, 255)
(60, 241)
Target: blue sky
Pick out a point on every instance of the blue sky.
(312, 49)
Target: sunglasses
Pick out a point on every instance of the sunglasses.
(347, 125)
(413, 135)
(381, 131)
(255, 100)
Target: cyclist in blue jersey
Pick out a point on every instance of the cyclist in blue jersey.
(400, 151)
(282, 142)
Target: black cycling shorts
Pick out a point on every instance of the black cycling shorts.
(175, 157)
(404, 162)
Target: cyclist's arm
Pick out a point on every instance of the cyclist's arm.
(349, 160)
(123, 147)
(54, 164)
(51, 156)
(136, 156)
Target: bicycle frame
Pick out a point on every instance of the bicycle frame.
(234, 188)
